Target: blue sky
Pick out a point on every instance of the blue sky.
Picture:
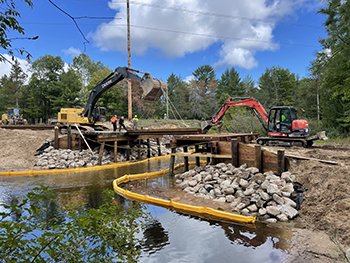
(177, 36)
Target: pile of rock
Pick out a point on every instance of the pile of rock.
(248, 191)
(51, 158)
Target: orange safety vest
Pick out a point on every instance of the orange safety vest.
(114, 119)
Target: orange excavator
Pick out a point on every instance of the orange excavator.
(281, 123)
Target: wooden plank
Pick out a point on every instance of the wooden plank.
(246, 153)
(224, 147)
(311, 159)
(208, 155)
(115, 151)
(185, 159)
(234, 152)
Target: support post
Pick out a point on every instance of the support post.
(56, 137)
(197, 158)
(185, 159)
(148, 149)
(69, 138)
(234, 152)
(172, 162)
(280, 162)
(257, 157)
(115, 151)
(159, 150)
(100, 154)
(79, 143)
(139, 150)
(128, 150)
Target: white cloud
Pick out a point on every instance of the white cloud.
(188, 79)
(241, 30)
(73, 52)
(5, 67)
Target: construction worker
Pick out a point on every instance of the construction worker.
(135, 120)
(121, 123)
(165, 117)
(114, 121)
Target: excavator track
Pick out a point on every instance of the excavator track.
(284, 142)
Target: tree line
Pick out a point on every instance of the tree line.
(324, 95)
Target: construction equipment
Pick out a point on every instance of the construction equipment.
(281, 124)
(13, 117)
(91, 114)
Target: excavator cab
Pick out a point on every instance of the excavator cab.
(283, 121)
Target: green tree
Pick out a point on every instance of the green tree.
(51, 88)
(335, 65)
(202, 92)
(9, 23)
(38, 229)
(11, 87)
(179, 94)
(85, 68)
(277, 87)
(229, 85)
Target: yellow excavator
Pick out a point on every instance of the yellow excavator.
(94, 116)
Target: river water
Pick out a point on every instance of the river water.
(171, 236)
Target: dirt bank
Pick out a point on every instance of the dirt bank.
(326, 205)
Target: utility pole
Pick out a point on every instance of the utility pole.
(129, 61)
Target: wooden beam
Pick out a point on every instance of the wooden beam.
(258, 159)
(159, 150)
(280, 162)
(197, 158)
(115, 151)
(186, 159)
(100, 155)
(311, 159)
(208, 155)
(234, 152)
(69, 138)
(56, 137)
(172, 162)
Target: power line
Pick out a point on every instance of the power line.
(199, 12)
(75, 22)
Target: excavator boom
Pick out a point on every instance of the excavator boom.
(152, 88)
(255, 105)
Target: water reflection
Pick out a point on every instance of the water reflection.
(172, 236)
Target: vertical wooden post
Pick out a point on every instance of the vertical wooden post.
(197, 158)
(148, 149)
(234, 152)
(79, 142)
(186, 159)
(159, 150)
(139, 150)
(128, 150)
(172, 162)
(69, 138)
(56, 137)
(280, 162)
(257, 159)
(100, 154)
(115, 151)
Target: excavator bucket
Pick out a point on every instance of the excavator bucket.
(206, 125)
(152, 89)
(322, 136)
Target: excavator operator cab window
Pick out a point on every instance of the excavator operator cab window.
(280, 120)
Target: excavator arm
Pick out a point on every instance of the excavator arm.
(255, 105)
(148, 84)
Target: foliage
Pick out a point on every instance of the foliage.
(276, 87)
(242, 120)
(9, 23)
(51, 88)
(11, 87)
(333, 64)
(37, 230)
(229, 85)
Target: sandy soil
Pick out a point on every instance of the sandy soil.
(326, 206)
